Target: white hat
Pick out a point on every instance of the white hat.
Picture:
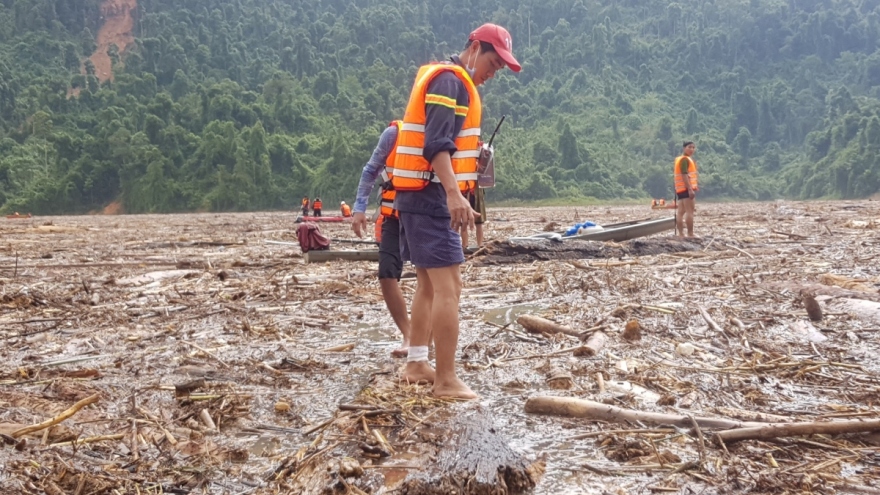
(342, 203)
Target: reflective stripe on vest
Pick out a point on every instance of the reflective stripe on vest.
(680, 186)
(386, 206)
(412, 172)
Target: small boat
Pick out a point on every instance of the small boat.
(625, 231)
(18, 215)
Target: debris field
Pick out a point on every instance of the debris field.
(198, 353)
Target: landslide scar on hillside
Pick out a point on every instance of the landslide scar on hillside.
(117, 29)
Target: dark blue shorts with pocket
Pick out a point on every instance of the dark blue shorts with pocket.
(429, 242)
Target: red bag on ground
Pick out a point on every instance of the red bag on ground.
(310, 237)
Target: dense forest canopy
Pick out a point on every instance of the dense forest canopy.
(252, 104)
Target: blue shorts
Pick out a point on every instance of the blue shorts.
(429, 242)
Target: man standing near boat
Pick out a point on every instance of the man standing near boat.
(686, 187)
(437, 151)
(305, 206)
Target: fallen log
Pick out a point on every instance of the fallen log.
(822, 290)
(592, 347)
(474, 460)
(512, 251)
(865, 310)
(559, 379)
(329, 255)
(799, 429)
(536, 324)
(580, 408)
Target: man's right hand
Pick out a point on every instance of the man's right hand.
(359, 224)
(460, 211)
(692, 194)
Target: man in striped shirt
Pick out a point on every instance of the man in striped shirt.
(390, 264)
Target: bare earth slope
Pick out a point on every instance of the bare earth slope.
(117, 29)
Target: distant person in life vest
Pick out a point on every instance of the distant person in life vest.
(305, 206)
(686, 187)
(316, 207)
(345, 209)
(435, 168)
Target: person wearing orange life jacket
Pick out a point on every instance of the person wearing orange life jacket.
(387, 230)
(345, 209)
(305, 206)
(686, 187)
(316, 207)
(436, 165)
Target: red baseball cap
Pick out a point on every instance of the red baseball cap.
(500, 39)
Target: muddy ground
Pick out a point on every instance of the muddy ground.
(220, 360)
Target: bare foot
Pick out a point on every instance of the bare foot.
(401, 351)
(418, 372)
(454, 389)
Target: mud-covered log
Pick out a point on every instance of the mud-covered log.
(536, 324)
(504, 252)
(800, 429)
(569, 407)
(593, 345)
(821, 290)
(474, 460)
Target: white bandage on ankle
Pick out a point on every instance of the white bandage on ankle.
(417, 353)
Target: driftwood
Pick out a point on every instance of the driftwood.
(866, 310)
(734, 430)
(57, 419)
(559, 379)
(822, 290)
(709, 321)
(593, 345)
(799, 429)
(474, 460)
(536, 324)
(580, 408)
(632, 331)
(814, 311)
(329, 255)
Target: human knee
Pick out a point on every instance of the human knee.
(449, 288)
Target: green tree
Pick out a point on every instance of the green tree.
(570, 156)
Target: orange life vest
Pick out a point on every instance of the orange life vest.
(411, 171)
(316, 205)
(680, 186)
(346, 211)
(386, 207)
(305, 202)
(377, 231)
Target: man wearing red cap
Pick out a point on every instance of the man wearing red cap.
(435, 167)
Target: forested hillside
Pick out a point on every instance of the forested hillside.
(251, 104)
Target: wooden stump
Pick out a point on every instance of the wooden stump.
(474, 460)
